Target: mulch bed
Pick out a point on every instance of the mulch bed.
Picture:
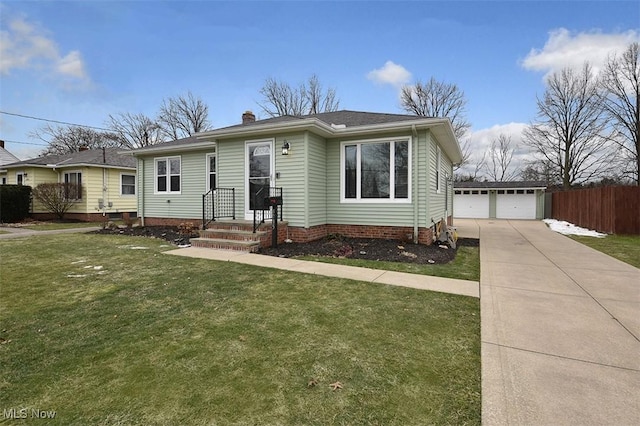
(371, 249)
(331, 246)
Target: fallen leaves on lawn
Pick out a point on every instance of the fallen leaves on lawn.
(312, 382)
(336, 386)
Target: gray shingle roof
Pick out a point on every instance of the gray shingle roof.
(346, 117)
(6, 157)
(89, 157)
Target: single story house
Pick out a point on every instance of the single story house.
(5, 158)
(107, 180)
(499, 200)
(347, 172)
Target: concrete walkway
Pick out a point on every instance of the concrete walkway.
(15, 232)
(560, 329)
(422, 282)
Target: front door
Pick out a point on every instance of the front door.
(259, 165)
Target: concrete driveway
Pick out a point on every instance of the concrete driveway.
(560, 329)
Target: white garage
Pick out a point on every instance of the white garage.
(498, 200)
(516, 204)
(471, 204)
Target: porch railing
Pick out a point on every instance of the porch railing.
(219, 203)
(263, 199)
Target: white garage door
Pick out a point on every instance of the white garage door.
(471, 204)
(516, 204)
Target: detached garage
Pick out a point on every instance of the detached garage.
(498, 200)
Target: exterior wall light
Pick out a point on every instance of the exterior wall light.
(285, 148)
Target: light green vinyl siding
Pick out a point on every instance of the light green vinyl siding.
(188, 203)
(436, 209)
(317, 180)
(293, 170)
(362, 213)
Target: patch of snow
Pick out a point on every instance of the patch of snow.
(567, 228)
(76, 276)
(78, 261)
(97, 268)
(184, 245)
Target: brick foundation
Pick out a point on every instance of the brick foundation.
(402, 233)
(164, 221)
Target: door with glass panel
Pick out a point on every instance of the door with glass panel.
(259, 167)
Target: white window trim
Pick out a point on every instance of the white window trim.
(359, 200)
(155, 175)
(78, 172)
(207, 157)
(135, 184)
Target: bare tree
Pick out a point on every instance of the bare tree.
(68, 139)
(135, 130)
(437, 99)
(280, 98)
(568, 131)
(620, 79)
(183, 116)
(57, 198)
(500, 155)
(541, 171)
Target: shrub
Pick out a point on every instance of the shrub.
(15, 202)
(57, 198)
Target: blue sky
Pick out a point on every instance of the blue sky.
(80, 61)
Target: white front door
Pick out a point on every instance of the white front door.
(259, 172)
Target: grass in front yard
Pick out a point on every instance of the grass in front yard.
(106, 329)
(466, 265)
(623, 247)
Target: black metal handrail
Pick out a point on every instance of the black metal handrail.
(262, 201)
(218, 203)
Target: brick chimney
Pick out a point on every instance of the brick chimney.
(1, 144)
(248, 117)
(83, 148)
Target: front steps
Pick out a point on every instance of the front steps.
(234, 235)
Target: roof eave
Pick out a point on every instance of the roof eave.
(159, 149)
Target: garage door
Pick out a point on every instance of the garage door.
(516, 204)
(471, 204)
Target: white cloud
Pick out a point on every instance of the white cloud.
(390, 73)
(25, 46)
(565, 49)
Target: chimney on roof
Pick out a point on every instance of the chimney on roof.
(83, 148)
(248, 117)
(1, 144)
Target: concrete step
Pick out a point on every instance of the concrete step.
(232, 234)
(224, 244)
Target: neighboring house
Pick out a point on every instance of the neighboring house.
(499, 200)
(107, 181)
(353, 173)
(5, 158)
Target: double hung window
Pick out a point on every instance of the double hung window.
(73, 187)
(167, 174)
(127, 184)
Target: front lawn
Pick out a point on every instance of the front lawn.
(106, 329)
(49, 226)
(623, 247)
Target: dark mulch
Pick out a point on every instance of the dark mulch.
(168, 233)
(331, 246)
(370, 249)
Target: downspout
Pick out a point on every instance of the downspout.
(140, 178)
(416, 179)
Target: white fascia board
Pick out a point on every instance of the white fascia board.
(159, 149)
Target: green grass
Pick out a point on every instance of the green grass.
(49, 226)
(466, 265)
(103, 331)
(623, 247)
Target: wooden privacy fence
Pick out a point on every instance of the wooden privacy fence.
(611, 209)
